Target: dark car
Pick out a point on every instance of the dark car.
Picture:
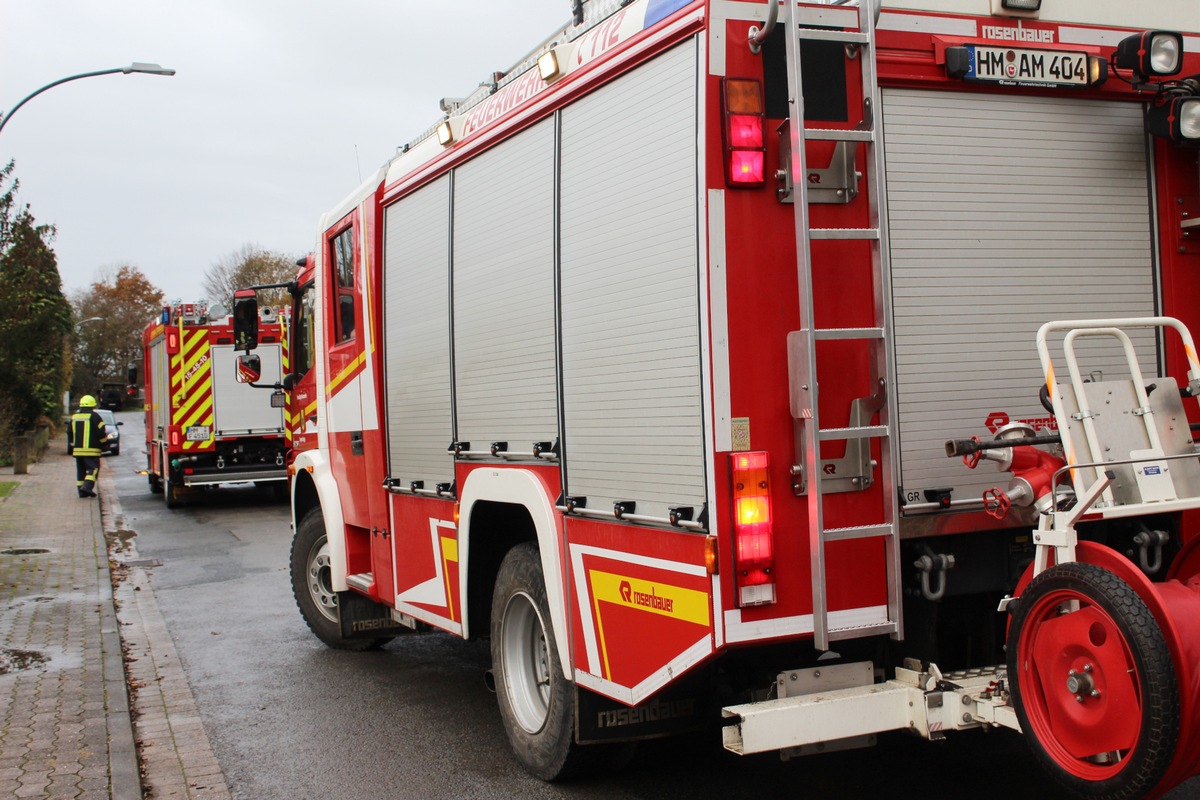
(112, 445)
(111, 399)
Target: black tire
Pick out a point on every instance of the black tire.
(170, 493)
(311, 586)
(1054, 663)
(116, 451)
(154, 481)
(536, 701)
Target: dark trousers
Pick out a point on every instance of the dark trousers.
(87, 472)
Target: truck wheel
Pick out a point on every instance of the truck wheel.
(536, 701)
(170, 493)
(313, 588)
(1093, 683)
(154, 481)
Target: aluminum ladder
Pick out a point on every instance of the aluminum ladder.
(802, 344)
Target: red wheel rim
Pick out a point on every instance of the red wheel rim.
(1176, 608)
(1177, 611)
(1080, 685)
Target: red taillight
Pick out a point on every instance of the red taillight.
(746, 167)
(174, 437)
(172, 342)
(745, 131)
(742, 133)
(753, 536)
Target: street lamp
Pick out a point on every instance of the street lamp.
(83, 322)
(137, 66)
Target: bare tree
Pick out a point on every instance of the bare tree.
(249, 266)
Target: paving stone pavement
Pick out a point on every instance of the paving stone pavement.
(66, 726)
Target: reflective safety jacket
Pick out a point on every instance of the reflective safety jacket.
(86, 433)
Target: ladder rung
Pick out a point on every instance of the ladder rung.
(818, 34)
(843, 233)
(858, 532)
(838, 135)
(865, 432)
(826, 334)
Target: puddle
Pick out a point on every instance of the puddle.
(121, 541)
(15, 660)
(23, 551)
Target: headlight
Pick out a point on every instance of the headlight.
(1150, 53)
(1177, 120)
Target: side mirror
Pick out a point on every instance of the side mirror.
(245, 320)
(249, 369)
(289, 381)
(132, 377)
(119, 423)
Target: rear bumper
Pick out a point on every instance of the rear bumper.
(236, 476)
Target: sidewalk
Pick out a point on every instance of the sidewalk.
(66, 727)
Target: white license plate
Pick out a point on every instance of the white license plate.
(199, 433)
(1016, 66)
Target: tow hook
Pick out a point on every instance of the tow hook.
(1150, 545)
(929, 564)
(220, 462)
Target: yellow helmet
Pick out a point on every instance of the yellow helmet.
(87, 401)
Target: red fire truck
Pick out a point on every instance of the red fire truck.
(204, 425)
(556, 372)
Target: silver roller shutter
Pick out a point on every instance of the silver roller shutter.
(504, 356)
(1006, 212)
(417, 336)
(630, 308)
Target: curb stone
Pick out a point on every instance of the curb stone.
(177, 760)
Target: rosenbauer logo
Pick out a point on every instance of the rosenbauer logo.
(1018, 34)
(998, 419)
(652, 600)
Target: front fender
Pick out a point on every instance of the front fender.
(317, 466)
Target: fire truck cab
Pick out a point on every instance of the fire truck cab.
(645, 362)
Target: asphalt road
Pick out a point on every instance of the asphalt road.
(290, 719)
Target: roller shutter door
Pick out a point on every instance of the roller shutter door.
(504, 358)
(416, 285)
(630, 296)
(1005, 212)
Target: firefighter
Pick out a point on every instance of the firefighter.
(85, 436)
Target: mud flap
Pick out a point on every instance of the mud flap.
(676, 709)
(362, 618)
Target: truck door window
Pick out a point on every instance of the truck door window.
(302, 334)
(342, 259)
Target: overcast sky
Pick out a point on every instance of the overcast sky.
(277, 108)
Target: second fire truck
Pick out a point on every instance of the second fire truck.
(645, 362)
(204, 425)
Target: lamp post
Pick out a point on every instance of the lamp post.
(136, 67)
(83, 322)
